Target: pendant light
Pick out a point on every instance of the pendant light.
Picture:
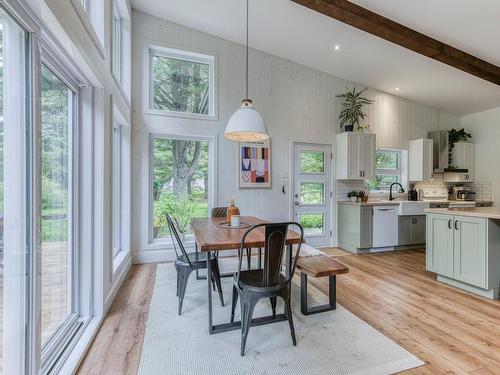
(246, 124)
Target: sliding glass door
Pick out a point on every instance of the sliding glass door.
(58, 114)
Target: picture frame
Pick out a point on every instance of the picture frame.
(254, 164)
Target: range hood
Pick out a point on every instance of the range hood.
(441, 154)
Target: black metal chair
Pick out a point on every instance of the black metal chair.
(269, 282)
(188, 262)
(222, 212)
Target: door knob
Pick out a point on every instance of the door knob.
(297, 203)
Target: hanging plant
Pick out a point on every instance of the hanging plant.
(352, 111)
(455, 136)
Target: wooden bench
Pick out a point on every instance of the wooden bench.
(319, 266)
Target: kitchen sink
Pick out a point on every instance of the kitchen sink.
(412, 208)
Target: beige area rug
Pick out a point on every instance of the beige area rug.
(335, 342)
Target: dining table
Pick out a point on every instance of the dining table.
(214, 234)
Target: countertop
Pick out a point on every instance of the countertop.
(481, 212)
(395, 202)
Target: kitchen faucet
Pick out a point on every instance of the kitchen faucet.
(401, 190)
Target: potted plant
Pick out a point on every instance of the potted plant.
(353, 196)
(352, 111)
(455, 136)
(363, 196)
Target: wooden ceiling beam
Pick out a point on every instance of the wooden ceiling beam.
(385, 28)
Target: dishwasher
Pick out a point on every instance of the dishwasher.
(385, 226)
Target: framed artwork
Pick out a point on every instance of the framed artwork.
(254, 164)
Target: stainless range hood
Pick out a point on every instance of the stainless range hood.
(440, 153)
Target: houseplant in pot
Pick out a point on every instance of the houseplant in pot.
(353, 196)
(352, 109)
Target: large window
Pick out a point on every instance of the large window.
(121, 188)
(180, 185)
(388, 169)
(182, 83)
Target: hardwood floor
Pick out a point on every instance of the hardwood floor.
(454, 332)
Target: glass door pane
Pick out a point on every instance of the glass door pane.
(57, 119)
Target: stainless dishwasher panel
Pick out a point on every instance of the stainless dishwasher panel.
(385, 226)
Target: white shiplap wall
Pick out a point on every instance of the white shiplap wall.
(297, 103)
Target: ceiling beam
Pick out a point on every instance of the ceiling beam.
(375, 24)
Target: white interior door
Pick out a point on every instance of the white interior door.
(313, 192)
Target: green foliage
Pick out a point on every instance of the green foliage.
(312, 162)
(455, 136)
(312, 193)
(352, 111)
(180, 86)
(386, 160)
(181, 208)
(311, 221)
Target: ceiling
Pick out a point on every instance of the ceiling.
(288, 30)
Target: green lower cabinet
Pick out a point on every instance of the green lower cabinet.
(366, 230)
(440, 238)
(457, 247)
(411, 230)
(470, 250)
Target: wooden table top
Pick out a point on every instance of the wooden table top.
(210, 236)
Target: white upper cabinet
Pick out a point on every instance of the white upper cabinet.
(420, 162)
(355, 156)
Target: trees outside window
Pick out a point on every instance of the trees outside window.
(387, 170)
(182, 82)
(180, 182)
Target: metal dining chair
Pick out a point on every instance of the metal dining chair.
(268, 282)
(222, 212)
(188, 262)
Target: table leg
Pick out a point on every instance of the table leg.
(209, 283)
(196, 250)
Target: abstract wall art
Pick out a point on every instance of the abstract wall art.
(254, 164)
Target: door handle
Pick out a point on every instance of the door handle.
(297, 203)
(449, 224)
(456, 224)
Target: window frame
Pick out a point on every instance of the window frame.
(189, 56)
(166, 242)
(91, 14)
(121, 204)
(121, 48)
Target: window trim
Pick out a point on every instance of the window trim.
(96, 32)
(189, 56)
(166, 242)
(123, 76)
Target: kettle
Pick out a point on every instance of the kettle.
(412, 193)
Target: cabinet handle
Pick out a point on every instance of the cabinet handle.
(360, 174)
(449, 224)
(415, 221)
(456, 224)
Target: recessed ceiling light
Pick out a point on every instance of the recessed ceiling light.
(336, 47)
(397, 88)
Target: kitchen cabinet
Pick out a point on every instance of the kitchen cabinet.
(411, 230)
(366, 229)
(440, 241)
(462, 157)
(355, 156)
(457, 248)
(355, 226)
(420, 160)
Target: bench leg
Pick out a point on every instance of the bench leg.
(332, 296)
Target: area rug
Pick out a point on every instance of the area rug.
(335, 342)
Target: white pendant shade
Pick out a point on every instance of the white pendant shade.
(246, 124)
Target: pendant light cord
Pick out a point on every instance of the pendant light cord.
(247, 57)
